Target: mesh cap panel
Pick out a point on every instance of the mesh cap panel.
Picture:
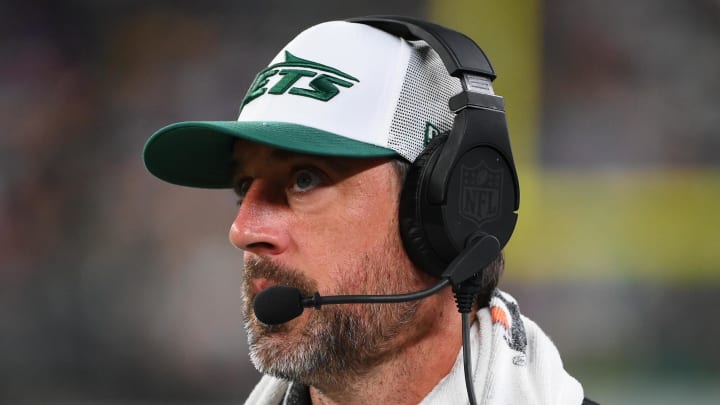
(423, 100)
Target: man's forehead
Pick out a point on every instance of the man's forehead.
(245, 152)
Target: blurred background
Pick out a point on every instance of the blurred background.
(118, 288)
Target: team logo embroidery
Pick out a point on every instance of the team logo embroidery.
(325, 82)
(431, 132)
(481, 193)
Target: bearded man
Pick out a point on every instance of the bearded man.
(321, 157)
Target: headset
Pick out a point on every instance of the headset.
(461, 195)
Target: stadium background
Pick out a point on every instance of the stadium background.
(118, 288)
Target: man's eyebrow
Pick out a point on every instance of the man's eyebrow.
(281, 154)
(236, 163)
(339, 163)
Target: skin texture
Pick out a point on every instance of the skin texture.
(330, 225)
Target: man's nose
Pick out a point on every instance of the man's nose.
(260, 225)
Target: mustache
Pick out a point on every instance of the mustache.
(281, 275)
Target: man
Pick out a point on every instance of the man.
(318, 159)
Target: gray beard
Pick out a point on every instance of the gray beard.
(336, 345)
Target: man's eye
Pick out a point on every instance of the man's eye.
(305, 180)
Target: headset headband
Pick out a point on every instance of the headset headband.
(463, 59)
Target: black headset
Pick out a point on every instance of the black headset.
(459, 203)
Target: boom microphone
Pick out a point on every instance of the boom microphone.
(281, 303)
(278, 304)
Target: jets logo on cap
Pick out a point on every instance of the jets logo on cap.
(287, 76)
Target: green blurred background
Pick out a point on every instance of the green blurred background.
(118, 288)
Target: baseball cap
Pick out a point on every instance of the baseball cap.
(337, 89)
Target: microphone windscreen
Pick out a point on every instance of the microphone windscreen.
(278, 304)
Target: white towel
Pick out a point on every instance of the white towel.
(514, 362)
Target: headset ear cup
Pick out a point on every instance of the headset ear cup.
(412, 230)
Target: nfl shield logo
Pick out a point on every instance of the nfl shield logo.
(480, 200)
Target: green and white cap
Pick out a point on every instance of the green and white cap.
(337, 89)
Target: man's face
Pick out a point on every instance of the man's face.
(326, 225)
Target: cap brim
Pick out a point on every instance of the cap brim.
(199, 153)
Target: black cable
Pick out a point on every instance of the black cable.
(465, 294)
(467, 358)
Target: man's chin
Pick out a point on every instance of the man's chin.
(275, 352)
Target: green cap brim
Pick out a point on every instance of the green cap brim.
(199, 153)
